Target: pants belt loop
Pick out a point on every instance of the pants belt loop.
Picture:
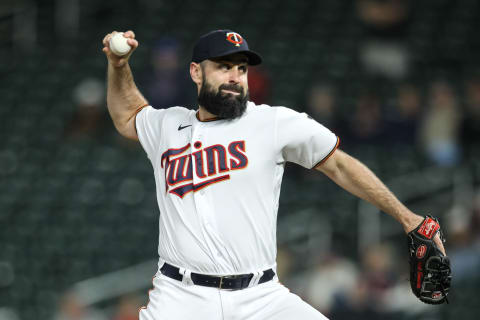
(256, 277)
(186, 276)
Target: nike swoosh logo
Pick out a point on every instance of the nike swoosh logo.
(181, 128)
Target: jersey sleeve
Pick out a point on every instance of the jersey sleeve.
(302, 140)
(148, 123)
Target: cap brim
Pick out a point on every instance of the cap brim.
(253, 57)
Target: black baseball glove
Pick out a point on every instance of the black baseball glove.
(430, 273)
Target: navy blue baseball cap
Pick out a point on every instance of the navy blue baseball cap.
(220, 43)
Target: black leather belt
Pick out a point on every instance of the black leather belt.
(235, 282)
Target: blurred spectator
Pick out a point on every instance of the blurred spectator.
(8, 314)
(440, 128)
(168, 82)
(259, 85)
(475, 225)
(333, 278)
(366, 297)
(384, 51)
(127, 308)
(90, 119)
(459, 225)
(72, 308)
(366, 121)
(355, 305)
(320, 105)
(471, 119)
(464, 233)
(403, 120)
(284, 264)
(378, 272)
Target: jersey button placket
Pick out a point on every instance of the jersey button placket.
(197, 145)
(196, 138)
(200, 196)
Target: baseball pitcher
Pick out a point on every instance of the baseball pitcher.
(218, 171)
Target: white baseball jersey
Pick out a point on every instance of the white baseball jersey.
(218, 182)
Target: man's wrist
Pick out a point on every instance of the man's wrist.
(117, 65)
(411, 221)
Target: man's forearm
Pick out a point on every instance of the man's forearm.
(355, 177)
(123, 97)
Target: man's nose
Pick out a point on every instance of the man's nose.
(234, 75)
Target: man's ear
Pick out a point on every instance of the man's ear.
(196, 73)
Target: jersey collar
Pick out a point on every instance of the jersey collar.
(249, 105)
(206, 120)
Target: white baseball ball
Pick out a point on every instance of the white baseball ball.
(119, 45)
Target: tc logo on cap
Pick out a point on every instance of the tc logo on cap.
(234, 38)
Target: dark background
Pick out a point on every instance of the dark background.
(397, 81)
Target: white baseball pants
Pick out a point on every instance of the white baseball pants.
(174, 300)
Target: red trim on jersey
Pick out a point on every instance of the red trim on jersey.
(135, 116)
(176, 171)
(235, 161)
(216, 161)
(199, 163)
(328, 155)
(195, 187)
(201, 185)
(206, 120)
(176, 152)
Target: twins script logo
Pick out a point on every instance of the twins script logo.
(234, 38)
(208, 162)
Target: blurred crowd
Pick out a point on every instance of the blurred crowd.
(71, 307)
(377, 286)
(374, 287)
(438, 112)
(438, 116)
(441, 121)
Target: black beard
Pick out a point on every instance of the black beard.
(223, 105)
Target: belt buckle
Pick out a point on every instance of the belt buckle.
(224, 277)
